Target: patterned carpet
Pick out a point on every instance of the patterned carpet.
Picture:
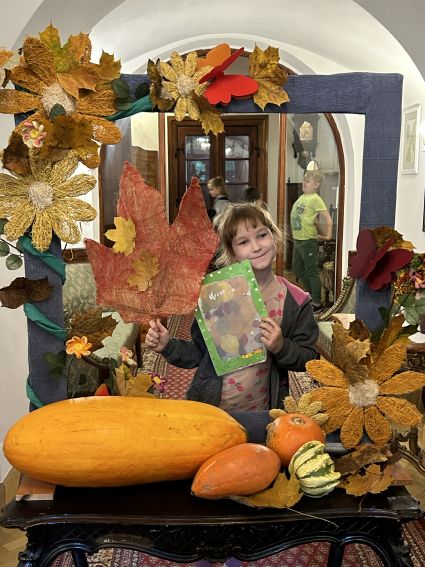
(310, 555)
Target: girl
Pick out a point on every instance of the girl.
(247, 231)
(217, 189)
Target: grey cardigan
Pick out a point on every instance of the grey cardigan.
(300, 332)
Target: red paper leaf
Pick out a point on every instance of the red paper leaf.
(184, 251)
(224, 87)
(220, 68)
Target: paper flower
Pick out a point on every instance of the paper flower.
(45, 200)
(79, 346)
(378, 259)
(62, 79)
(183, 252)
(32, 134)
(359, 391)
(159, 383)
(8, 60)
(127, 356)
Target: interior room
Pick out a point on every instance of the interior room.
(355, 77)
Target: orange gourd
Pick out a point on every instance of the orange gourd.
(287, 433)
(119, 440)
(240, 470)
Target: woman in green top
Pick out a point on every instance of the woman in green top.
(311, 223)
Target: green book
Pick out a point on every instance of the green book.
(229, 312)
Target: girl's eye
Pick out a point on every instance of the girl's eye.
(262, 235)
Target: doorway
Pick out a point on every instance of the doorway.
(239, 155)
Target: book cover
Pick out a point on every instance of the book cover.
(229, 312)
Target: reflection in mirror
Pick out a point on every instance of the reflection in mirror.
(311, 207)
(247, 154)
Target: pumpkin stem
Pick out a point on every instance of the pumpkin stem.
(297, 420)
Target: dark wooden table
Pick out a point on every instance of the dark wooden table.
(164, 520)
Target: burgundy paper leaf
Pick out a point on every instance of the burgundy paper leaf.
(184, 251)
(384, 271)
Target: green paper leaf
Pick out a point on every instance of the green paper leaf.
(120, 88)
(2, 225)
(55, 111)
(141, 90)
(13, 262)
(4, 248)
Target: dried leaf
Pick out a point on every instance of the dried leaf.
(209, 117)
(264, 68)
(356, 460)
(16, 156)
(81, 77)
(388, 337)
(92, 325)
(23, 290)
(384, 233)
(145, 269)
(123, 235)
(283, 493)
(373, 480)
(129, 385)
(358, 330)
(275, 413)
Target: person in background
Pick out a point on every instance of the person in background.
(217, 190)
(311, 224)
(247, 231)
(252, 194)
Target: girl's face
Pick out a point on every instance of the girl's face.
(255, 244)
(214, 191)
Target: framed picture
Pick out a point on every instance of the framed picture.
(410, 139)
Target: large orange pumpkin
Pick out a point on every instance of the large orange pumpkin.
(240, 470)
(287, 433)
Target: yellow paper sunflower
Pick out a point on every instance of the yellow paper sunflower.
(64, 76)
(182, 83)
(359, 394)
(45, 199)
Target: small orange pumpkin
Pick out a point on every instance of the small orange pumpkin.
(287, 433)
(240, 470)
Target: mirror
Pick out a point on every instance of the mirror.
(271, 152)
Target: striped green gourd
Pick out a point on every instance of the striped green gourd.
(314, 469)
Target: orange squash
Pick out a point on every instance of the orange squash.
(240, 470)
(119, 440)
(287, 433)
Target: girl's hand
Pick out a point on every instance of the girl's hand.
(157, 337)
(271, 335)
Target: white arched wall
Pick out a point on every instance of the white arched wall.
(333, 36)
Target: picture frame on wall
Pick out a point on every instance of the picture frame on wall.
(410, 139)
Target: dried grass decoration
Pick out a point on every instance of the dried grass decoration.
(153, 269)
(358, 389)
(45, 201)
(68, 93)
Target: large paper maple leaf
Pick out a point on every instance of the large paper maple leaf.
(183, 249)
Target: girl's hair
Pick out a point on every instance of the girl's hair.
(218, 183)
(229, 221)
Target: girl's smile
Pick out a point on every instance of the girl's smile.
(255, 244)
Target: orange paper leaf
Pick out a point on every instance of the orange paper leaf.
(184, 251)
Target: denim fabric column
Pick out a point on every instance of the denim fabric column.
(47, 389)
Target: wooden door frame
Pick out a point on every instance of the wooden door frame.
(281, 204)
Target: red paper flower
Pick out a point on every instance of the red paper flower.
(224, 87)
(377, 265)
(183, 250)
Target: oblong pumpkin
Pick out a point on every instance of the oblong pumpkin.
(117, 441)
(238, 471)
